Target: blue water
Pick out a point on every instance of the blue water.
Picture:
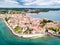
(7, 38)
(52, 15)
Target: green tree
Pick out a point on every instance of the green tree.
(54, 29)
(18, 29)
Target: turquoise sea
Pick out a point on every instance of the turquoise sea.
(7, 38)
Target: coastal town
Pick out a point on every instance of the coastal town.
(24, 26)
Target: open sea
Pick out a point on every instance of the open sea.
(7, 38)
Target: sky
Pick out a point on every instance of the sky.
(29, 3)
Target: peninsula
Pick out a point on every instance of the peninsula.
(24, 26)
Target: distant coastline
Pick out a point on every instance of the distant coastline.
(24, 10)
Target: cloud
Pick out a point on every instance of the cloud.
(10, 3)
(39, 2)
(29, 3)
